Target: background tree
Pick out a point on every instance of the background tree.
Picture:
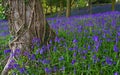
(113, 5)
(90, 6)
(26, 22)
(68, 9)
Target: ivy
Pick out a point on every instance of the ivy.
(26, 1)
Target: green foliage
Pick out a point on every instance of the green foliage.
(2, 12)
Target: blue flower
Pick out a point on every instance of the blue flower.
(116, 48)
(95, 38)
(73, 61)
(75, 41)
(7, 51)
(74, 54)
(22, 70)
(41, 51)
(61, 58)
(33, 57)
(55, 69)
(16, 66)
(57, 39)
(47, 70)
(63, 68)
(116, 73)
(45, 61)
(109, 61)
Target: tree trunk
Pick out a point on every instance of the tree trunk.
(51, 11)
(61, 8)
(68, 9)
(26, 21)
(113, 5)
(90, 6)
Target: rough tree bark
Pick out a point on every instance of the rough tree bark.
(68, 9)
(113, 5)
(26, 21)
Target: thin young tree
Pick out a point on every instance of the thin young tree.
(68, 9)
(90, 6)
(26, 21)
(113, 5)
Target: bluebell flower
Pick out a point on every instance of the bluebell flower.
(54, 48)
(116, 73)
(115, 48)
(16, 66)
(73, 61)
(33, 57)
(41, 51)
(95, 38)
(75, 41)
(61, 58)
(22, 70)
(62, 69)
(35, 40)
(118, 33)
(7, 51)
(47, 70)
(109, 61)
(55, 68)
(45, 61)
(14, 73)
(74, 54)
(57, 39)
(71, 49)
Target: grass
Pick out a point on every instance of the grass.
(87, 45)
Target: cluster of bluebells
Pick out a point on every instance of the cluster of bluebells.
(85, 45)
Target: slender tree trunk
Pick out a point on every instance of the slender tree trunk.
(26, 21)
(113, 5)
(61, 7)
(56, 8)
(90, 6)
(51, 7)
(68, 10)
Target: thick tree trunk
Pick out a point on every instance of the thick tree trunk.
(68, 9)
(113, 5)
(26, 21)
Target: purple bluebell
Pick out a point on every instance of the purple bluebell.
(61, 58)
(71, 49)
(35, 40)
(116, 73)
(41, 51)
(22, 70)
(74, 54)
(54, 48)
(115, 48)
(95, 38)
(16, 66)
(7, 51)
(62, 69)
(75, 41)
(55, 68)
(73, 61)
(47, 70)
(109, 61)
(45, 61)
(57, 39)
(33, 57)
